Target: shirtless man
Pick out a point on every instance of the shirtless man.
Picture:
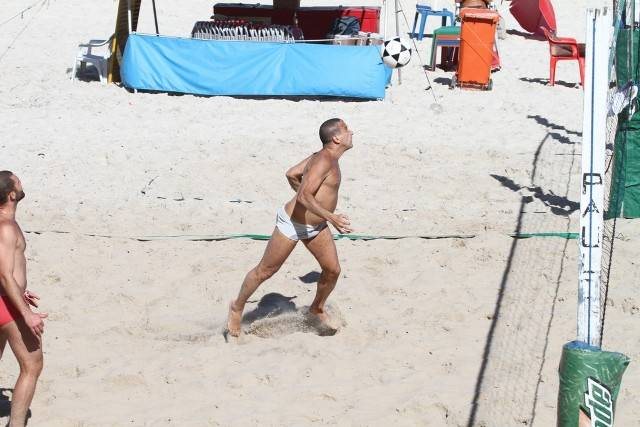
(316, 181)
(18, 324)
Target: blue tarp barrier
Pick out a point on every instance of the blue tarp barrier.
(214, 67)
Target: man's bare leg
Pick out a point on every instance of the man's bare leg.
(28, 352)
(323, 248)
(278, 250)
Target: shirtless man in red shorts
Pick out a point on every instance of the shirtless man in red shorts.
(21, 327)
(316, 181)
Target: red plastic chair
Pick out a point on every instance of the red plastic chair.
(561, 49)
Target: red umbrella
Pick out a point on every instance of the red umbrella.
(533, 14)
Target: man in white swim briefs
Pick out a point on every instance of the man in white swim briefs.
(316, 181)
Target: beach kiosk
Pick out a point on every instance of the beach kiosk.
(153, 62)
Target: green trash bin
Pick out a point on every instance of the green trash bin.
(589, 385)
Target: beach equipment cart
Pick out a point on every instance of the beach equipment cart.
(477, 38)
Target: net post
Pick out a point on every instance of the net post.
(596, 84)
(590, 378)
(397, 6)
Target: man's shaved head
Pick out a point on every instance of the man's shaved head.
(329, 129)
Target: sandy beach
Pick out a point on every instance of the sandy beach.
(457, 324)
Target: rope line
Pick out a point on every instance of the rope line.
(42, 3)
(560, 234)
(21, 13)
(265, 237)
(415, 46)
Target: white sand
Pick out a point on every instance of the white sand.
(134, 337)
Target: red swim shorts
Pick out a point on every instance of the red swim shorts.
(7, 312)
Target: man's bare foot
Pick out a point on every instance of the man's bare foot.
(234, 320)
(321, 321)
(321, 315)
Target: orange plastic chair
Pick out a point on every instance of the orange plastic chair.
(563, 49)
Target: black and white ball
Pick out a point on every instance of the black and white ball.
(396, 52)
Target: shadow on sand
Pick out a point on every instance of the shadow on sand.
(5, 404)
(525, 35)
(277, 315)
(559, 205)
(565, 207)
(310, 277)
(545, 82)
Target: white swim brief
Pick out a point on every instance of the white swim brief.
(295, 231)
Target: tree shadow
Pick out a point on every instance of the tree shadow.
(549, 124)
(561, 139)
(559, 205)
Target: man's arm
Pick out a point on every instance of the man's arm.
(294, 174)
(8, 244)
(313, 179)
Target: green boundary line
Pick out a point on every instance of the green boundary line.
(352, 237)
(335, 237)
(562, 235)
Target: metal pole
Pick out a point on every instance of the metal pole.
(129, 16)
(398, 35)
(155, 16)
(386, 15)
(593, 169)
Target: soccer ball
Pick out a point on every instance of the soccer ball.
(396, 52)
